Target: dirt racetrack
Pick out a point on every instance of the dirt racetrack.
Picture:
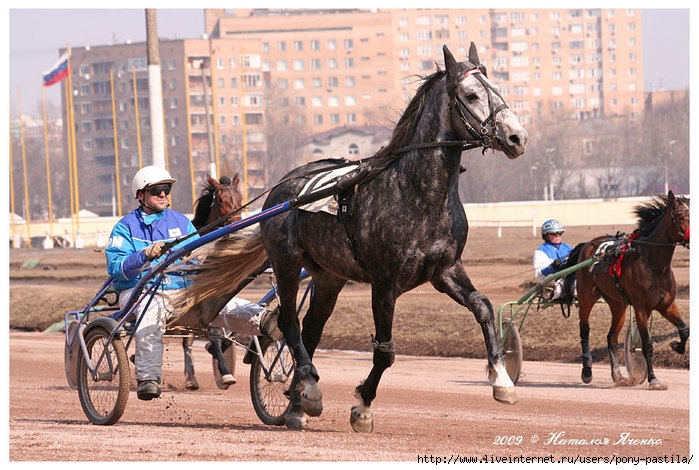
(427, 408)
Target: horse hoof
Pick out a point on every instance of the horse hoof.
(586, 375)
(656, 385)
(191, 384)
(622, 382)
(361, 419)
(677, 347)
(311, 399)
(505, 395)
(296, 421)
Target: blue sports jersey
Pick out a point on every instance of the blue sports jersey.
(137, 230)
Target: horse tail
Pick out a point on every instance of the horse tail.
(227, 264)
(568, 294)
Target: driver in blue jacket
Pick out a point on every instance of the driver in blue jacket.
(137, 240)
(550, 256)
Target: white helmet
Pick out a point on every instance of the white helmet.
(148, 175)
(551, 225)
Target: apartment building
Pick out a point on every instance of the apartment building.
(260, 73)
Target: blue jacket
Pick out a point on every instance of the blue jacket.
(137, 230)
(554, 252)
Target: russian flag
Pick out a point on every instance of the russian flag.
(58, 72)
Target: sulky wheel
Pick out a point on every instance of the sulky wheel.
(271, 372)
(104, 396)
(635, 361)
(512, 350)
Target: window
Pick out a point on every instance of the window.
(317, 101)
(314, 45)
(349, 44)
(281, 46)
(282, 65)
(351, 118)
(318, 119)
(349, 81)
(332, 63)
(331, 44)
(353, 149)
(298, 64)
(315, 64)
(298, 46)
(299, 84)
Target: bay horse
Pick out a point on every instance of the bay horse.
(215, 207)
(400, 224)
(635, 270)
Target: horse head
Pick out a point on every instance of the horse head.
(680, 219)
(479, 112)
(227, 197)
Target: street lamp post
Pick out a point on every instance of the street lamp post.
(667, 157)
(549, 151)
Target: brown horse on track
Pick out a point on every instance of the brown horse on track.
(636, 271)
(217, 206)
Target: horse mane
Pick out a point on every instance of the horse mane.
(650, 213)
(202, 206)
(407, 124)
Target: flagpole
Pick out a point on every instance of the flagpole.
(12, 191)
(75, 152)
(138, 120)
(116, 143)
(48, 164)
(217, 164)
(189, 134)
(24, 167)
(69, 149)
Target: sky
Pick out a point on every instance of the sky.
(36, 35)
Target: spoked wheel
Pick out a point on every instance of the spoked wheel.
(270, 379)
(512, 350)
(636, 365)
(103, 398)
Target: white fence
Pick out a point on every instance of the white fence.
(94, 231)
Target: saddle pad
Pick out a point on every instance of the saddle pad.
(322, 181)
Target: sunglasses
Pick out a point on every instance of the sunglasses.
(156, 190)
(556, 234)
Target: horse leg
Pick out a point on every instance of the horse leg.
(304, 394)
(190, 381)
(457, 285)
(618, 316)
(383, 306)
(584, 315)
(672, 314)
(222, 374)
(647, 348)
(325, 292)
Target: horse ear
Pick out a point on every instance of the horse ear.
(670, 196)
(449, 61)
(235, 180)
(473, 55)
(452, 78)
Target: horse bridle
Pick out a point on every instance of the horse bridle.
(223, 217)
(485, 135)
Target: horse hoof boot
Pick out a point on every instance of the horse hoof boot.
(505, 395)
(361, 419)
(656, 385)
(296, 421)
(586, 375)
(311, 399)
